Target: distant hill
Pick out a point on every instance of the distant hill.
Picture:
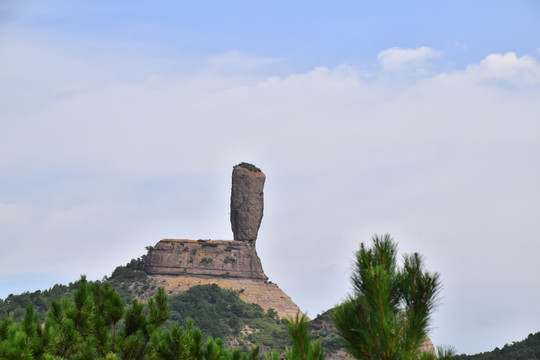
(528, 349)
(130, 281)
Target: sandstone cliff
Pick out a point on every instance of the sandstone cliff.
(217, 258)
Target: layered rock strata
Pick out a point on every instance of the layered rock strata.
(217, 258)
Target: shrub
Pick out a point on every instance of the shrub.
(248, 166)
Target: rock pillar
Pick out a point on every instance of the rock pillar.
(247, 201)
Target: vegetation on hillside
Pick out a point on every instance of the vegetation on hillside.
(130, 281)
(218, 313)
(303, 347)
(89, 320)
(16, 304)
(528, 349)
(96, 324)
(222, 314)
(322, 329)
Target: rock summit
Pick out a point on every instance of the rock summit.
(178, 264)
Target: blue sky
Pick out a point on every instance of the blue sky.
(120, 123)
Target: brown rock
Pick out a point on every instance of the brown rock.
(247, 201)
(218, 258)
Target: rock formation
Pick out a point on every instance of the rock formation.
(178, 264)
(247, 201)
(217, 258)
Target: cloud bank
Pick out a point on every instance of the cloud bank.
(101, 158)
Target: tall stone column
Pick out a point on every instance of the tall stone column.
(247, 201)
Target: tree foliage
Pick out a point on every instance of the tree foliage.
(220, 313)
(389, 312)
(248, 166)
(303, 348)
(129, 281)
(97, 325)
(386, 317)
(217, 312)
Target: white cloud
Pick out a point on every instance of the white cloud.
(524, 69)
(398, 59)
(506, 69)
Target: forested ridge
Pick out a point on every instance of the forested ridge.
(96, 324)
(528, 349)
(129, 280)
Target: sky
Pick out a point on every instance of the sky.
(120, 123)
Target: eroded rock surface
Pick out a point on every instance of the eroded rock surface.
(219, 258)
(247, 201)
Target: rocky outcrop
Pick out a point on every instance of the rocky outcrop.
(220, 258)
(217, 258)
(178, 264)
(247, 201)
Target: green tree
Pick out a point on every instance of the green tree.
(389, 312)
(97, 325)
(303, 348)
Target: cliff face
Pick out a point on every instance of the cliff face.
(218, 258)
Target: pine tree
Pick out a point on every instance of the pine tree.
(389, 312)
(96, 326)
(303, 347)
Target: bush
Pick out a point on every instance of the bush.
(248, 166)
